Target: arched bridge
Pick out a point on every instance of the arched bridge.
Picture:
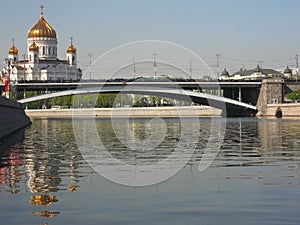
(229, 107)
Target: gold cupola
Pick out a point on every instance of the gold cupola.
(42, 28)
(33, 47)
(71, 48)
(13, 50)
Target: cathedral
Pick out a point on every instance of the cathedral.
(41, 62)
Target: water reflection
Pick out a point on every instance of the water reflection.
(49, 148)
(248, 142)
(9, 163)
(43, 200)
(46, 214)
(134, 148)
(51, 160)
(45, 157)
(44, 164)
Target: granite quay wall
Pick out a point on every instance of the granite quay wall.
(12, 117)
(201, 111)
(283, 110)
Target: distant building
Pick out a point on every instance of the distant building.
(41, 62)
(255, 74)
(287, 73)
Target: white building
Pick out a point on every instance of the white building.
(41, 62)
(255, 74)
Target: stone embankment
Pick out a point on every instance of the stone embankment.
(282, 110)
(12, 117)
(139, 112)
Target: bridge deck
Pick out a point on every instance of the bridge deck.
(177, 93)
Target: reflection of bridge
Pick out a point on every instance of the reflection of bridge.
(229, 107)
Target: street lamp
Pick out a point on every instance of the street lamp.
(7, 61)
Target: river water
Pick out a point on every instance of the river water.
(254, 178)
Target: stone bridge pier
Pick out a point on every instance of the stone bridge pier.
(271, 92)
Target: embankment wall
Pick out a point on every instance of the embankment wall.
(287, 110)
(12, 117)
(128, 112)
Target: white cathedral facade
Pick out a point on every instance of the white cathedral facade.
(41, 63)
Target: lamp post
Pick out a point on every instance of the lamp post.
(24, 69)
(90, 55)
(297, 66)
(7, 80)
(154, 65)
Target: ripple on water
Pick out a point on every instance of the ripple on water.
(255, 177)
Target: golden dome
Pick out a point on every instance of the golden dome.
(71, 48)
(33, 47)
(41, 29)
(13, 50)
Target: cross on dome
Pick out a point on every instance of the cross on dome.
(42, 9)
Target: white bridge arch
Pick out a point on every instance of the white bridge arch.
(228, 106)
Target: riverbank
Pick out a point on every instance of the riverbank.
(12, 117)
(184, 111)
(283, 110)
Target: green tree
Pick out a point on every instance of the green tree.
(106, 100)
(295, 95)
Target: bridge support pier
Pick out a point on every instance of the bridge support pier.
(271, 92)
(238, 112)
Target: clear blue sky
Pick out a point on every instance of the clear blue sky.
(240, 31)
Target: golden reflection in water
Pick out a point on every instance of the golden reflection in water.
(43, 200)
(46, 214)
(72, 188)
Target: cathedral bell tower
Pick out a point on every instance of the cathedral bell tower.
(71, 54)
(13, 53)
(33, 53)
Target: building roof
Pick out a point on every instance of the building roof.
(33, 47)
(257, 69)
(287, 70)
(13, 50)
(225, 73)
